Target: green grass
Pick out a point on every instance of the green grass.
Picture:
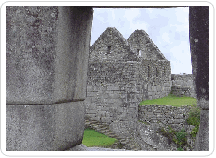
(171, 100)
(93, 138)
(194, 119)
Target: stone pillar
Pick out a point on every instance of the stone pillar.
(199, 44)
(47, 59)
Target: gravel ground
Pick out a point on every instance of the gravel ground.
(85, 148)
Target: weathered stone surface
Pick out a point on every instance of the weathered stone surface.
(202, 139)
(47, 59)
(111, 45)
(143, 46)
(44, 127)
(71, 62)
(31, 37)
(150, 140)
(43, 48)
(183, 85)
(168, 115)
(199, 45)
(124, 78)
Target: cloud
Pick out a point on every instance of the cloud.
(180, 58)
(168, 28)
(166, 38)
(131, 14)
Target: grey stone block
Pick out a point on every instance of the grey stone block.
(47, 54)
(112, 87)
(202, 138)
(47, 58)
(44, 127)
(203, 104)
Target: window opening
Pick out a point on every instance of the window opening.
(149, 71)
(139, 52)
(108, 49)
(157, 72)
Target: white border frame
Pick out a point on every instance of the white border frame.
(108, 153)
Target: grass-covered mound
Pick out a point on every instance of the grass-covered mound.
(171, 100)
(93, 138)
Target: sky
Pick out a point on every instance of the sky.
(168, 28)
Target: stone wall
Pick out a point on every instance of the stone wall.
(183, 85)
(154, 78)
(111, 46)
(115, 89)
(154, 120)
(141, 44)
(165, 114)
(111, 94)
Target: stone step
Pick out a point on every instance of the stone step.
(102, 131)
(104, 128)
(93, 121)
(112, 135)
(122, 142)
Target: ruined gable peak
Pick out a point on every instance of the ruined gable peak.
(109, 35)
(141, 44)
(139, 32)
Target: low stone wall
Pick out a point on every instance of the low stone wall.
(165, 114)
(183, 85)
(181, 91)
(154, 120)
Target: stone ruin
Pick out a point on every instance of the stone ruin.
(47, 52)
(121, 74)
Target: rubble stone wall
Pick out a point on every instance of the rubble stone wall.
(183, 85)
(115, 89)
(165, 114)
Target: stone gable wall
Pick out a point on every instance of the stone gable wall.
(111, 46)
(139, 40)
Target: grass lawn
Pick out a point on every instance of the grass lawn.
(93, 138)
(171, 100)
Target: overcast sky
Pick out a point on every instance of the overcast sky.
(168, 28)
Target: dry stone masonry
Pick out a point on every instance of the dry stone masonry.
(119, 78)
(164, 114)
(124, 72)
(183, 85)
(46, 66)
